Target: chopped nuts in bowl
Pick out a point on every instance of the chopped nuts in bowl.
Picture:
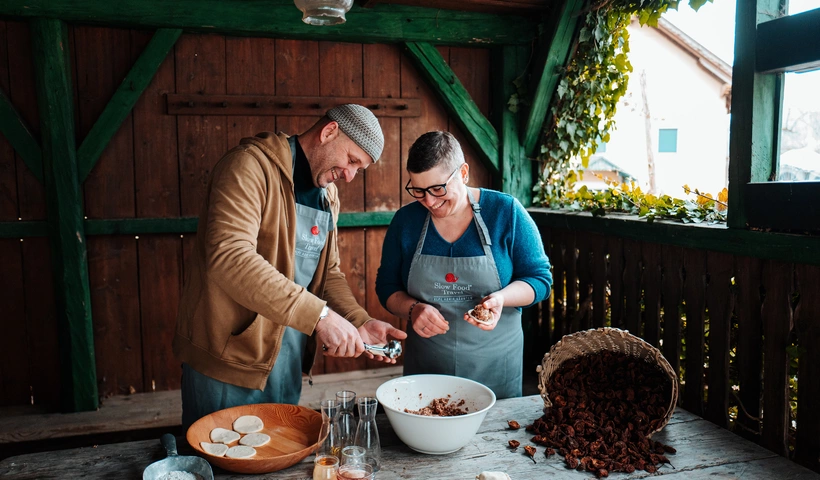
(433, 434)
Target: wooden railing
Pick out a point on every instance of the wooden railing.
(742, 332)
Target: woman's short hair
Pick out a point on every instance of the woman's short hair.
(434, 149)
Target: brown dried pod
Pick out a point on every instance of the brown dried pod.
(513, 424)
(514, 443)
(531, 452)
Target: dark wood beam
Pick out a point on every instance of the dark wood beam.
(281, 19)
(789, 44)
(509, 64)
(756, 99)
(457, 101)
(125, 98)
(785, 206)
(152, 226)
(783, 247)
(20, 137)
(554, 48)
(66, 233)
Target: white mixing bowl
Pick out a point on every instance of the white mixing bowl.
(434, 435)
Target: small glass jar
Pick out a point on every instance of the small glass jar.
(325, 467)
(353, 455)
(355, 471)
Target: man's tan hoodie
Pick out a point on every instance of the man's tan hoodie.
(239, 292)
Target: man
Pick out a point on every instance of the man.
(264, 276)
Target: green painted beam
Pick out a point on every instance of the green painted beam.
(509, 64)
(789, 44)
(718, 238)
(148, 226)
(364, 219)
(555, 48)
(55, 100)
(19, 136)
(281, 19)
(125, 98)
(457, 101)
(756, 99)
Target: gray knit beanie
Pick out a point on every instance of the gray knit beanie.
(359, 123)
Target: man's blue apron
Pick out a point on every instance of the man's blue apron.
(454, 286)
(202, 395)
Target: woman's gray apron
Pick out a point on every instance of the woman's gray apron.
(202, 395)
(454, 286)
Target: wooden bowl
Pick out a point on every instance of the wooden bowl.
(293, 430)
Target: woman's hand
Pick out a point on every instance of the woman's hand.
(493, 302)
(427, 321)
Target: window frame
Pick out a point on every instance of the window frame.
(766, 48)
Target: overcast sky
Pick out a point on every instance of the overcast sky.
(713, 26)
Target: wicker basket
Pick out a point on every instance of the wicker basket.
(604, 339)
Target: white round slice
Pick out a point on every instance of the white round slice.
(255, 439)
(223, 435)
(241, 451)
(215, 449)
(248, 424)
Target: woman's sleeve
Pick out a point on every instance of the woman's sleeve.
(389, 277)
(530, 262)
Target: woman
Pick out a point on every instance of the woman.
(452, 249)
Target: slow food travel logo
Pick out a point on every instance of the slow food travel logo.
(451, 291)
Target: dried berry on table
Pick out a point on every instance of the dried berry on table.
(514, 425)
(514, 443)
(604, 407)
(531, 452)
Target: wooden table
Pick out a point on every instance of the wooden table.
(704, 451)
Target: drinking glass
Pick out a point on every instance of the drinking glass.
(357, 471)
(353, 455)
(325, 467)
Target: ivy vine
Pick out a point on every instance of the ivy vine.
(582, 115)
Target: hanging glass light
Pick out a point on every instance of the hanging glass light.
(323, 12)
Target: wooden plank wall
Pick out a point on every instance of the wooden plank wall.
(157, 165)
(738, 330)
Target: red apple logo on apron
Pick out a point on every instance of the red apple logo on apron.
(450, 278)
(314, 230)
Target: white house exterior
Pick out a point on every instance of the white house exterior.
(685, 88)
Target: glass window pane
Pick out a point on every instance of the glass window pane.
(668, 140)
(800, 128)
(798, 6)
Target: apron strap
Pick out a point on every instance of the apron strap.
(420, 243)
(482, 227)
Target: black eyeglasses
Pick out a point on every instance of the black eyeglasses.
(439, 190)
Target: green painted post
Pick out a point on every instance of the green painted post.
(65, 217)
(457, 101)
(509, 64)
(755, 103)
(555, 48)
(17, 133)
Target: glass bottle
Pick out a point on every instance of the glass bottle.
(345, 419)
(367, 434)
(329, 433)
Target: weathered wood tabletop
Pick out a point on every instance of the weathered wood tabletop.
(704, 451)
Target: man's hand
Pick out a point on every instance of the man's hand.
(375, 332)
(338, 336)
